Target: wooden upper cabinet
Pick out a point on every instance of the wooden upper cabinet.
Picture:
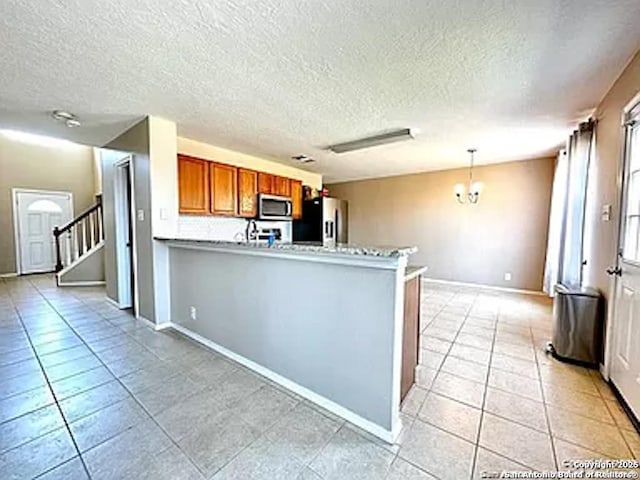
(224, 186)
(193, 185)
(247, 193)
(206, 187)
(281, 186)
(296, 198)
(265, 183)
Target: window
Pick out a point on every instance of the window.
(44, 206)
(631, 226)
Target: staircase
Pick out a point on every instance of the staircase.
(79, 249)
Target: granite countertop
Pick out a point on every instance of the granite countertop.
(340, 249)
(412, 272)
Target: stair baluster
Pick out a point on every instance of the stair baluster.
(92, 231)
(83, 231)
(71, 241)
(68, 242)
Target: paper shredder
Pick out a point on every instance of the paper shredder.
(577, 325)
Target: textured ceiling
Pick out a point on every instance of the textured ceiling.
(282, 77)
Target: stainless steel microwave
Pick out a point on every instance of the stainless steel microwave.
(273, 207)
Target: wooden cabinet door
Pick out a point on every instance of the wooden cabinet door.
(265, 183)
(193, 185)
(411, 335)
(281, 186)
(247, 193)
(296, 198)
(223, 189)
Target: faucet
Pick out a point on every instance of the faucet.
(252, 231)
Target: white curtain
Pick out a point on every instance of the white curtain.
(567, 219)
(556, 221)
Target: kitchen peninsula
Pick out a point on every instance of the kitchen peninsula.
(325, 322)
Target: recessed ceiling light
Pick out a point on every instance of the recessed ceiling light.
(62, 116)
(302, 159)
(69, 119)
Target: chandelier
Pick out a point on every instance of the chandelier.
(469, 194)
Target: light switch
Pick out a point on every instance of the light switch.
(606, 213)
(163, 214)
(141, 215)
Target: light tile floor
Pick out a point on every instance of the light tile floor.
(86, 391)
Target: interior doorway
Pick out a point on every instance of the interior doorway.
(625, 319)
(35, 214)
(125, 234)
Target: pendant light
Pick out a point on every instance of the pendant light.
(474, 188)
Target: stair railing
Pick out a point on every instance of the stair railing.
(77, 237)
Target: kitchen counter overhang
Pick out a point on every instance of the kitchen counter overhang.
(324, 322)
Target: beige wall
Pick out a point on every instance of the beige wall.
(28, 165)
(211, 152)
(505, 232)
(609, 141)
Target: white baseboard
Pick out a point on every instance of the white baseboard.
(8, 275)
(147, 321)
(112, 301)
(486, 287)
(379, 432)
(81, 284)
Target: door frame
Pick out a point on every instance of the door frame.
(16, 220)
(605, 370)
(127, 294)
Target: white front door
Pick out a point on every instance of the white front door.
(625, 372)
(37, 214)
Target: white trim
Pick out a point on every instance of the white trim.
(113, 302)
(134, 238)
(124, 284)
(613, 282)
(387, 263)
(631, 104)
(385, 435)
(16, 220)
(87, 254)
(8, 275)
(486, 287)
(81, 284)
(147, 321)
(398, 332)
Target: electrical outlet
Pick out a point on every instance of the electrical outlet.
(193, 313)
(507, 276)
(141, 215)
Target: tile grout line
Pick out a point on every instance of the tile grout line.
(55, 399)
(484, 396)
(429, 390)
(124, 387)
(153, 416)
(544, 404)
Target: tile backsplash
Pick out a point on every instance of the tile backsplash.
(202, 227)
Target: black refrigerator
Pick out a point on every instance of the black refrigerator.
(324, 222)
